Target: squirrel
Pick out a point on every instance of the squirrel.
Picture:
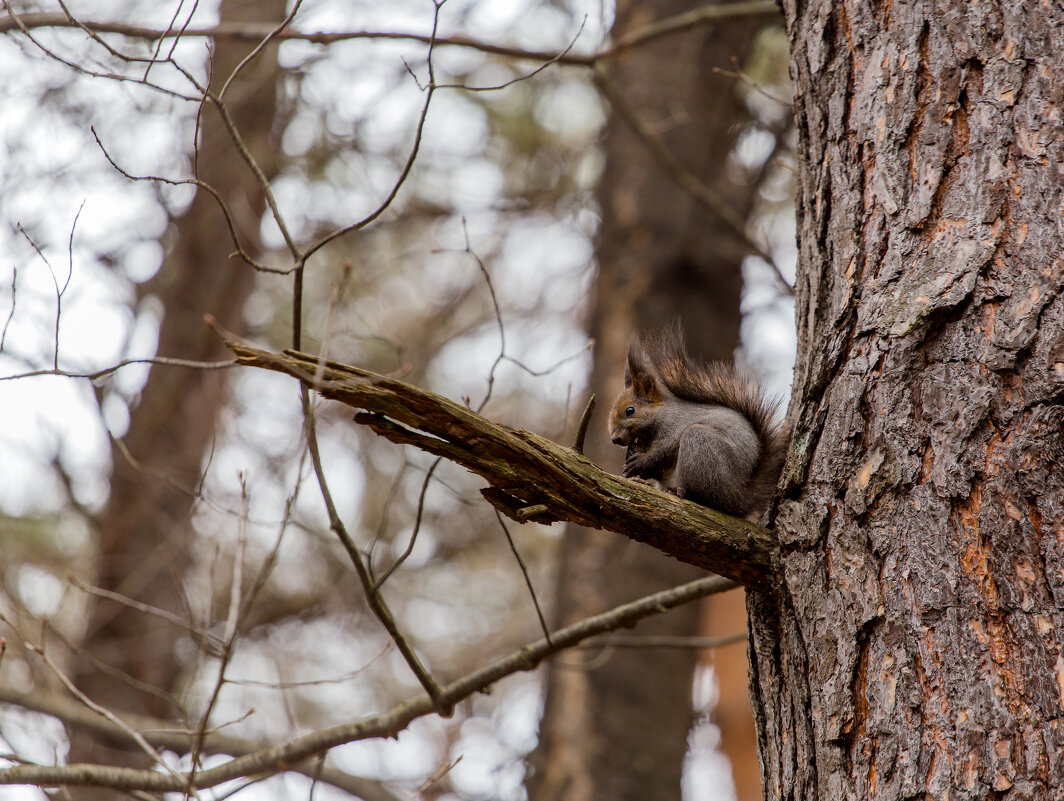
(699, 431)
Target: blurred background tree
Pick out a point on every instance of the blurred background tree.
(687, 159)
(552, 201)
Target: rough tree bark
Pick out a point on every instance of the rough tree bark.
(914, 646)
(144, 531)
(617, 729)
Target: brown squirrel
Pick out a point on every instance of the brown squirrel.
(700, 431)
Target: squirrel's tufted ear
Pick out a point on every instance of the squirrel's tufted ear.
(638, 360)
(639, 374)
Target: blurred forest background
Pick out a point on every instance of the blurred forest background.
(483, 198)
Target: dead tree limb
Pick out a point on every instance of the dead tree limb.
(531, 478)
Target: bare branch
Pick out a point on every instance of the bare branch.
(204, 637)
(260, 176)
(503, 356)
(282, 757)
(526, 470)
(256, 31)
(15, 21)
(525, 76)
(664, 641)
(742, 77)
(176, 38)
(59, 291)
(162, 734)
(232, 629)
(695, 18)
(99, 710)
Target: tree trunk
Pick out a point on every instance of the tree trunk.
(616, 727)
(914, 646)
(144, 532)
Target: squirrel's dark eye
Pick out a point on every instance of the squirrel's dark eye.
(629, 411)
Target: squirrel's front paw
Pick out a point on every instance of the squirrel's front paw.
(634, 466)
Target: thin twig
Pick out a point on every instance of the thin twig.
(199, 184)
(297, 288)
(289, 685)
(88, 31)
(259, 48)
(498, 316)
(10, 314)
(55, 281)
(143, 744)
(739, 75)
(17, 21)
(430, 90)
(378, 583)
(503, 356)
(528, 579)
(524, 77)
(260, 177)
(66, 284)
(106, 371)
(213, 642)
(106, 669)
(697, 17)
(176, 38)
(272, 558)
(382, 524)
(197, 130)
(232, 629)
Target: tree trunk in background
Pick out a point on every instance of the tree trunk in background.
(723, 615)
(914, 649)
(144, 533)
(615, 725)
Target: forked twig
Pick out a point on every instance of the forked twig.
(373, 596)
